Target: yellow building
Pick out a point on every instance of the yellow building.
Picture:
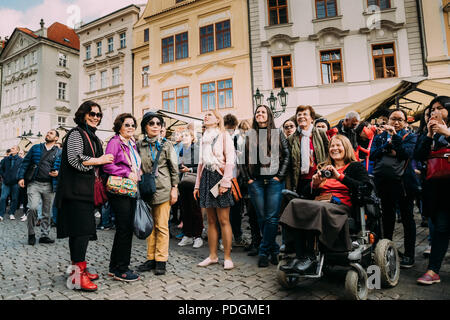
(198, 58)
(436, 20)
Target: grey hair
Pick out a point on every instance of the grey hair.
(352, 114)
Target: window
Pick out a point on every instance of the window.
(167, 49)
(331, 66)
(178, 1)
(225, 94)
(115, 76)
(145, 72)
(33, 89)
(208, 96)
(326, 8)
(146, 35)
(123, 40)
(61, 121)
(383, 4)
(24, 63)
(88, 52)
(62, 91)
(207, 39)
(103, 80)
(223, 35)
(92, 82)
(24, 91)
(282, 71)
(34, 54)
(384, 60)
(9, 69)
(110, 44)
(278, 12)
(114, 112)
(181, 45)
(62, 60)
(99, 48)
(183, 100)
(17, 65)
(16, 95)
(6, 98)
(169, 100)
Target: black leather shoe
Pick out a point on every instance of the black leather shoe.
(305, 265)
(31, 240)
(406, 262)
(147, 266)
(289, 267)
(252, 251)
(46, 240)
(160, 268)
(274, 259)
(263, 262)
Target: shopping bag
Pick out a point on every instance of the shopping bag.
(143, 219)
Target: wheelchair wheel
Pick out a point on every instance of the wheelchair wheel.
(387, 259)
(287, 282)
(356, 285)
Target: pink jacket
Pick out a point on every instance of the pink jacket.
(226, 158)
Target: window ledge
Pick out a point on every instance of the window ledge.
(333, 85)
(327, 19)
(365, 13)
(281, 25)
(215, 51)
(61, 100)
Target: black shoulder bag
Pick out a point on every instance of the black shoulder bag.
(29, 174)
(147, 185)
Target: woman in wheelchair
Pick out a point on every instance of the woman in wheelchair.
(325, 217)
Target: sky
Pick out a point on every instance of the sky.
(28, 13)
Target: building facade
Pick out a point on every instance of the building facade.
(106, 63)
(330, 54)
(198, 57)
(436, 21)
(39, 82)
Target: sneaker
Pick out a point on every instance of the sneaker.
(23, 218)
(11, 217)
(128, 276)
(407, 262)
(147, 266)
(186, 241)
(31, 240)
(263, 262)
(429, 279)
(1, 219)
(427, 252)
(198, 243)
(240, 242)
(46, 240)
(180, 235)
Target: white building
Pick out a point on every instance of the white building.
(330, 54)
(106, 63)
(39, 82)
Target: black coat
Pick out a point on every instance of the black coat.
(9, 171)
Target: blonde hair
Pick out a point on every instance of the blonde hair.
(220, 118)
(349, 152)
(245, 125)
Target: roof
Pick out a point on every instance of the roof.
(64, 35)
(28, 31)
(177, 5)
(110, 14)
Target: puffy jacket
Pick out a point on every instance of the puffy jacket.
(8, 169)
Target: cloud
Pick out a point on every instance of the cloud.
(58, 11)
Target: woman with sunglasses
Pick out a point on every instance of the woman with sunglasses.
(166, 193)
(81, 157)
(289, 127)
(127, 164)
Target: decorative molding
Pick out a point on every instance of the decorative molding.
(63, 109)
(20, 76)
(330, 30)
(12, 113)
(173, 74)
(63, 74)
(213, 64)
(280, 37)
(384, 24)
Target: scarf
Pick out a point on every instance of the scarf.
(305, 149)
(207, 154)
(134, 155)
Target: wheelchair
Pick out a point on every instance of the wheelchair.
(368, 249)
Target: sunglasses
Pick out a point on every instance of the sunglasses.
(94, 114)
(154, 123)
(289, 127)
(129, 125)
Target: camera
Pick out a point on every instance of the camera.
(326, 173)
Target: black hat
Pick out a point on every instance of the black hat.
(324, 121)
(149, 116)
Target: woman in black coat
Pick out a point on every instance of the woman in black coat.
(303, 220)
(436, 138)
(82, 154)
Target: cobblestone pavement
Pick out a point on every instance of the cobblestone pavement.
(38, 273)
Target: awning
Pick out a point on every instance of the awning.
(413, 97)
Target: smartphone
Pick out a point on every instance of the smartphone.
(215, 190)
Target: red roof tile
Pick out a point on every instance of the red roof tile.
(60, 33)
(28, 31)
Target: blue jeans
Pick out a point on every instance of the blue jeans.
(266, 196)
(107, 218)
(12, 190)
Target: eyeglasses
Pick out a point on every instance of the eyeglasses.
(396, 119)
(154, 123)
(94, 114)
(128, 125)
(289, 127)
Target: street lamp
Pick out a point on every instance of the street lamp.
(258, 97)
(283, 96)
(272, 102)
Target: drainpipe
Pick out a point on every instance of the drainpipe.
(251, 55)
(132, 84)
(422, 37)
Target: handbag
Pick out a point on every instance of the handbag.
(438, 164)
(29, 174)
(120, 185)
(147, 185)
(100, 197)
(143, 220)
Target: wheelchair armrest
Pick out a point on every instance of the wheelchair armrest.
(287, 192)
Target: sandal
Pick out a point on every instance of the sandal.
(207, 262)
(228, 265)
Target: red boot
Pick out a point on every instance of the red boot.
(84, 282)
(91, 276)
